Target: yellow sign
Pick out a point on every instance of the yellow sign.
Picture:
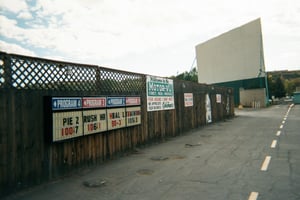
(67, 125)
(94, 121)
(116, 118)
(133, 115)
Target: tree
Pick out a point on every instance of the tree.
(189, 76)
(279, 90)
(290, 87)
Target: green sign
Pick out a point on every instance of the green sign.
(160, 94)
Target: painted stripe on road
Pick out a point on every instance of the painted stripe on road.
(283, 122)
(253, 196)
(278, 133)
(281, 126)
(274, 143)
(266, 163)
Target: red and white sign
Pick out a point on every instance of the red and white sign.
(94, 121)
(67, 125)
(133, 116)
(116, 118)
(94, 102)
(133, 101)
(188, 99)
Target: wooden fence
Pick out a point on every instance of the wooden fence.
(28, 158)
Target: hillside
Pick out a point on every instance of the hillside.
(290, 80)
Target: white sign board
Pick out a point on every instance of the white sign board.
(188, 99)
(94, 121)
(160, 94)
(67, 125)
(219, 98)
(208, 109)
(133, 116)
(116, 118)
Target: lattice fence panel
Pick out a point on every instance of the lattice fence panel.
(112, 81)
(23, 72)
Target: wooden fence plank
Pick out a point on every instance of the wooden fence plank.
(29, 158)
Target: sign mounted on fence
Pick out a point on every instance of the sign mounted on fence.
(208, 109)
(67, 125)
(75, 116)
(219, 98)
(133, 115)
(94, 102)
(116, 118)
(133, 101)
(160, 93)
(66, 103)
(116, 101)
(188, 99)
(94, 121)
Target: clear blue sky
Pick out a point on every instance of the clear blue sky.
(156, 37)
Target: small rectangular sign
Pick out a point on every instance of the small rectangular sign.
(116, 118)
(115, 101)
(67, 125)
(188, 99)
(133, 115)
(66, 103)
(160, 103)
(219, 98)
(133, 101)
(94, 102)
(94, 121)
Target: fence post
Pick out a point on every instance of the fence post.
(98, 77)
(7, 71)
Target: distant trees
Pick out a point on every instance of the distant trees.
(279, 90)
(290, 86)
(188, 76)
(283, 83)
(276, 87)
(279, 84)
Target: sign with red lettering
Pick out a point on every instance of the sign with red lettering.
(160, 93)
(94, 102)
(133, 116)
(94, 121)
(188, 99)
(67, 125)
(116, 118)
(133, 101)
(78, 116)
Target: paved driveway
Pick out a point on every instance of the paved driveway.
(255, 155)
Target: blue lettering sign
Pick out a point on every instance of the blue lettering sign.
(116, 101)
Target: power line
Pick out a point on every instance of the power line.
(191, 68)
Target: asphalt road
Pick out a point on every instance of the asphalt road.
(255, 155)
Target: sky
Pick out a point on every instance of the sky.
(155, 37)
